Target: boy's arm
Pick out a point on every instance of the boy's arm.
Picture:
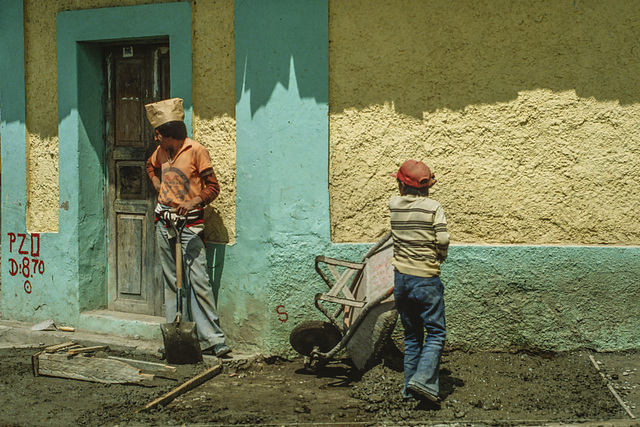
(442, 236)
(152, 171)
(211, 187)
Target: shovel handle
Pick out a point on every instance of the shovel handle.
(178, 226)
(178, 264)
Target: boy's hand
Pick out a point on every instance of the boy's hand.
(189, 205)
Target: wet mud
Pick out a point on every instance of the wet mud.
(476, 389)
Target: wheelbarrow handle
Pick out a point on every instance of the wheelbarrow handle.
(377, 246)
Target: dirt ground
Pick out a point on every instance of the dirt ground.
(477, 389)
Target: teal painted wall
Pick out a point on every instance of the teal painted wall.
(546, 297)
(12, 121)
(282, 164)
(23, 290)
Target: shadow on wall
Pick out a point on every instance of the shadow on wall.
(215, 265)
(426, 55)
(272, 34)
(215, 229)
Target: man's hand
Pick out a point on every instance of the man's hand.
(187, 206)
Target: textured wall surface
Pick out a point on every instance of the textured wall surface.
(282, 167)
(527, 112)
(552, 298)
(213, 99)
(214, 107)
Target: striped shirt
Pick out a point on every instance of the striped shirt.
(420, 237)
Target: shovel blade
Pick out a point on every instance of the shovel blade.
(181, 343)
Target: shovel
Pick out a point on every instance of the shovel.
(181, 343)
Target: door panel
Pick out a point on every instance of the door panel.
(136, 75)
(131, 230)
(130, 91)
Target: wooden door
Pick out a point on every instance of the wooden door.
(135, 75)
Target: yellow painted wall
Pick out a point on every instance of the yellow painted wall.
(213, 99)
(214, 105)
(527, 111)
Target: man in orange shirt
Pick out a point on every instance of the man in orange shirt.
(182, 174)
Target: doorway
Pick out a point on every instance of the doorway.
(135, 74)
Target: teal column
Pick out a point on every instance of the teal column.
(67, 270)
(13, 137)
(13, 119)
(282, 164)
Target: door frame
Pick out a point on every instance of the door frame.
(81, 123)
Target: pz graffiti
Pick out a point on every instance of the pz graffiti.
(30, 265)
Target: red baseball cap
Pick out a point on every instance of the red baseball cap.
(415, 174)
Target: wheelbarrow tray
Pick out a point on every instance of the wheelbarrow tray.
(378, 324)
(365, 316)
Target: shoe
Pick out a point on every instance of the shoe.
(221, 349)
(421, 392)
(409, 397)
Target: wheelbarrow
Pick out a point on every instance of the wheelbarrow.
(359, 307)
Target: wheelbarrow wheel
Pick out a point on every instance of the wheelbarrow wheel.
(314, 333)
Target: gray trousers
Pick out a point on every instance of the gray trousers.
(200, 305)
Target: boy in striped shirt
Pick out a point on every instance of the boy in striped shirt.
(420, 244)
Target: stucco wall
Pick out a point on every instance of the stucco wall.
(214, 111)
(214, 107)
(527, 112)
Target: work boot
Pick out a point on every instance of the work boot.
(423, 393)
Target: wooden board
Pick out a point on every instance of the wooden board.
(146, 366)
(55, 348)
(94, 369)
(194, 382)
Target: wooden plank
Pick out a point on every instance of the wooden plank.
(189, 385)
(92, 369)
(146, 366)
(342, 281)
(35, 364)
(129, 85)
(75, 351)
(54, 348)
(340, 262)
(130, 255)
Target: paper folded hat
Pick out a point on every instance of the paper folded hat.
(168, 110)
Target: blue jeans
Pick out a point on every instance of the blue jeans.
(420, 303)
(201, 305)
